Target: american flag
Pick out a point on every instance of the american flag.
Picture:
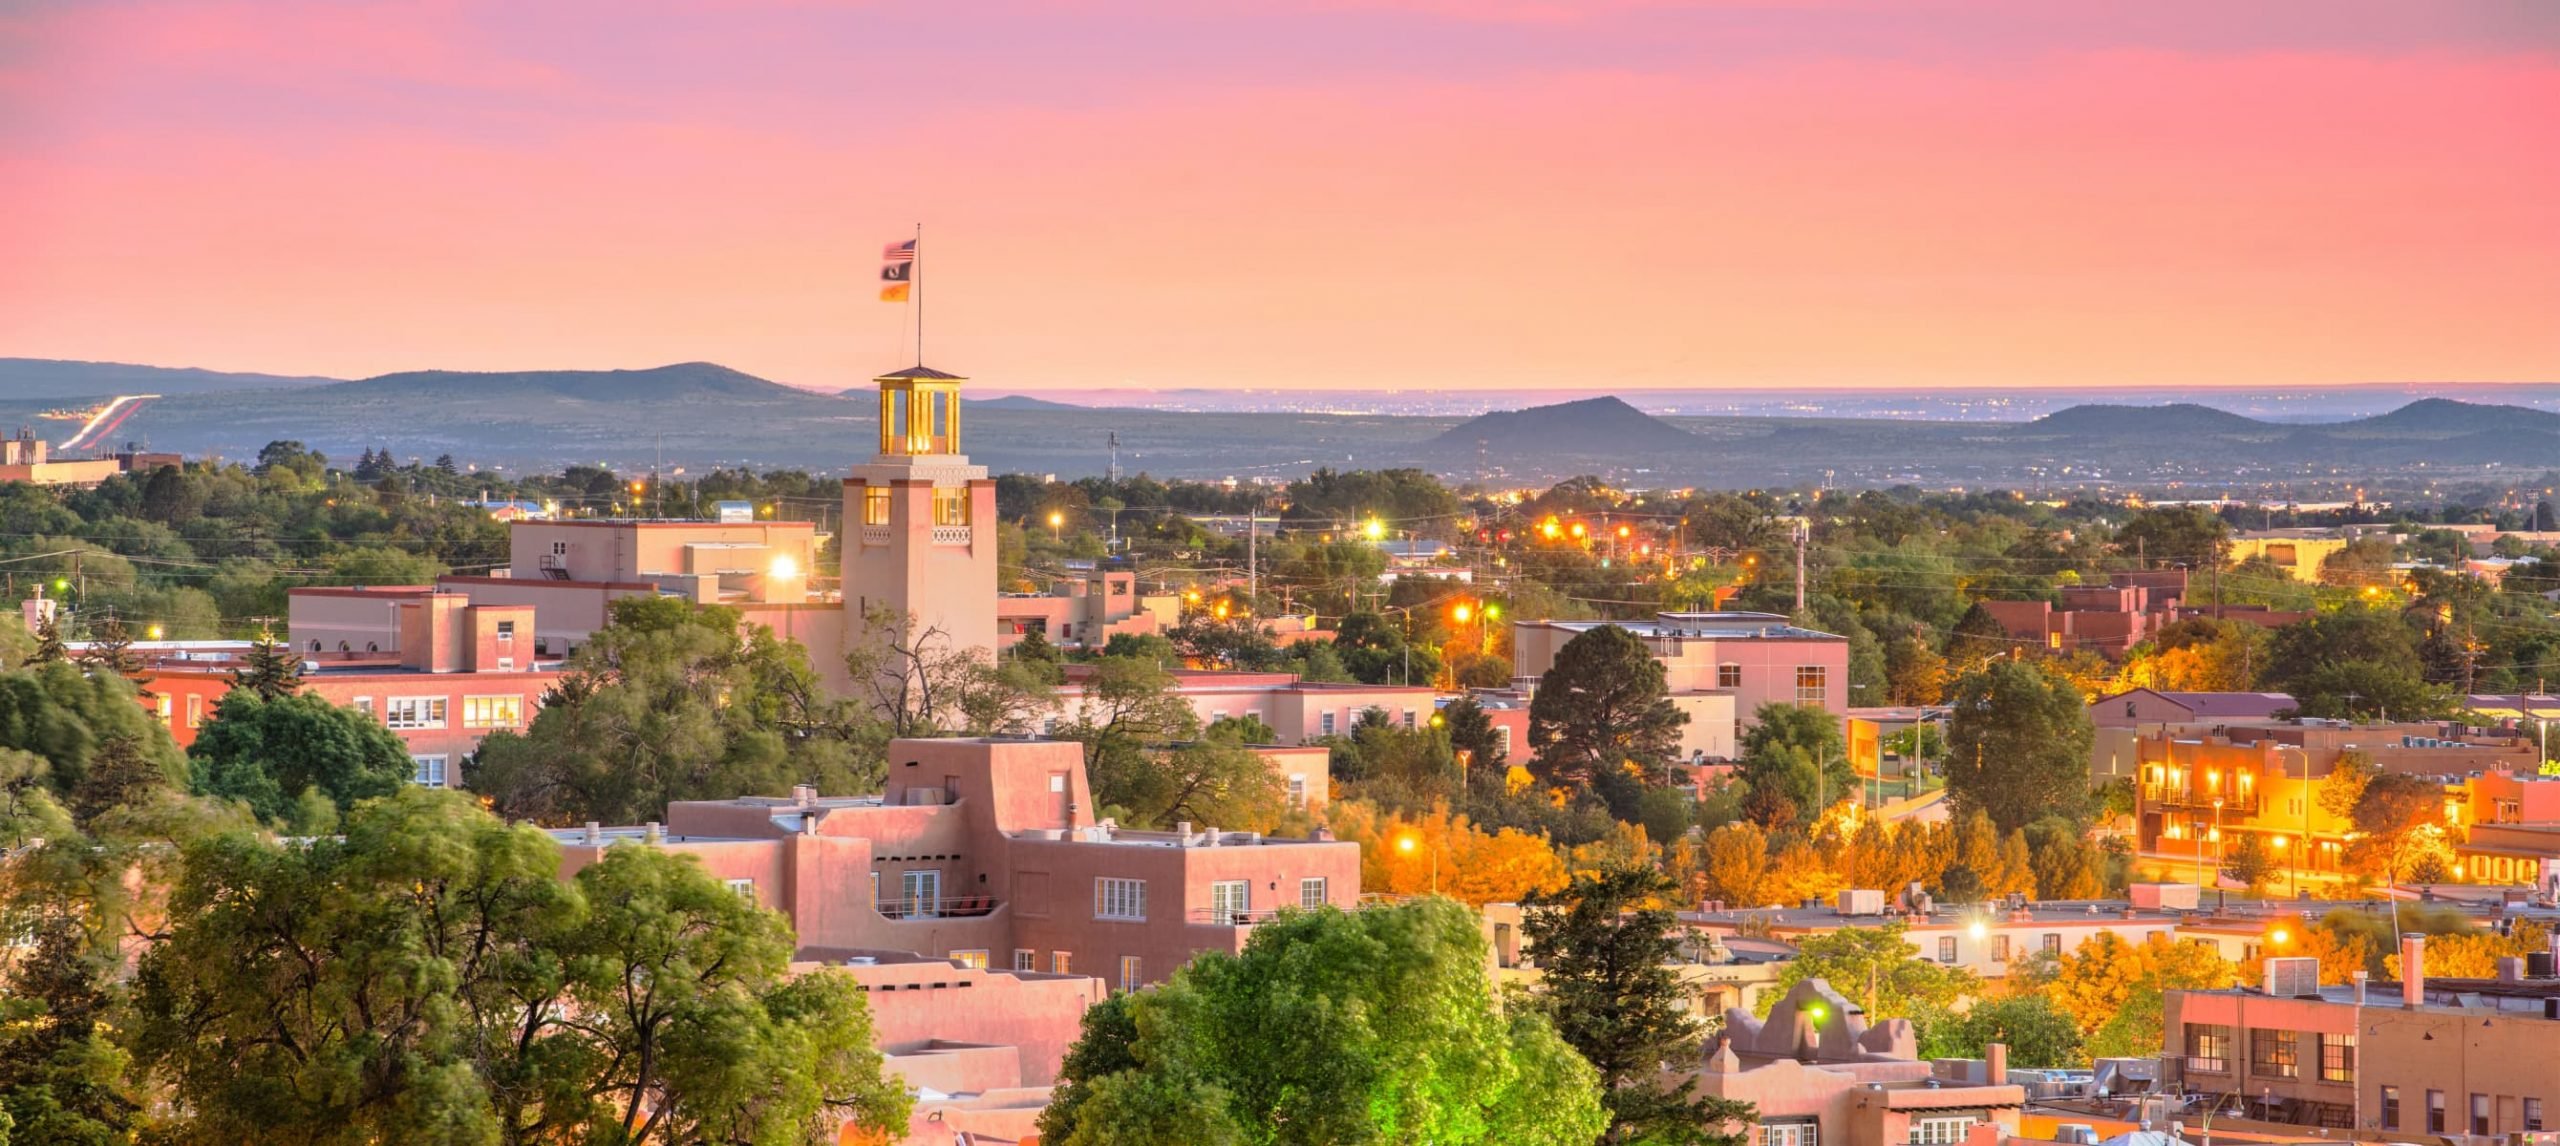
(900, 252)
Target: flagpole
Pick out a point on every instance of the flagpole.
(917, 273)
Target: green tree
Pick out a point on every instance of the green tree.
(270, 669)
(1245, 729)
(49, 647)
(2175, 535)
(267, 753)
(111, 649)
(2249, 860)
(1605, 954)
(1375, 1026)
(1880, 969)
(1128, 708)
(2037, 1033)
(1471, 731)
(1977, 640)
(2018, 745)
(670, 701)
(66, 716)
(1601, 708)
(428, 977)
(2400, 821)
(1795, 760)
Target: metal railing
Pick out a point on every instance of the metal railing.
(1232, 917)
(945, 907)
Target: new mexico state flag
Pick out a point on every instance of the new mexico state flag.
(894, 292)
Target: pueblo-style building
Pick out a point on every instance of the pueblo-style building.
(987, 852)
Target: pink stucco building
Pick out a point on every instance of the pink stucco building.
(1819, 1075)
(987, 851)
(1720, 667)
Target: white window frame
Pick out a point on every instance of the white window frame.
(742, 888)
(195, 711)
(928, 882)
(478, 711)
(1132, 974)
(1314, 891)
(1941, 1131)
(415, 712)
(1120, 900)
(1230, 902)
(971, 957)
(1790, 1134)
(1324, 724)
(1060, 962)
(1819, 691)
(433, 770)
(1025, 959)
(364, 704)
(1297, 790)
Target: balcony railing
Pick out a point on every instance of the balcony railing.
(947, 907)
(1230, 917)
(2233, 804)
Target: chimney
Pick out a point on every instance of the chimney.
(804, 794)
(2413, 970)
(595, 833)
(2360, 978)
(1995, 1064)
(2511, 969)
(655, 832)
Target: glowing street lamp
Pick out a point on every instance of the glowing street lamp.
(1373, 529)
(1410, 843)
(1056, 519)
(1461, 612)
(153, 632)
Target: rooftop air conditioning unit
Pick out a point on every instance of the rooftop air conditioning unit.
(2293, 978)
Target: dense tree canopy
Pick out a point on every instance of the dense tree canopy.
(2018, 744)
(1376, 1026)
(1603, 707)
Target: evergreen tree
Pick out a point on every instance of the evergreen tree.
(1605, 954)
(1471, 731)
(1977, 639)
(1602, 707)
(271, 670)
(49, 647)
(111, 650)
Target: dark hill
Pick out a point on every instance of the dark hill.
(1016, 402)
(2446, 416)
(1592, 426)
(680, 382)
(48, 379)
(2120, 421)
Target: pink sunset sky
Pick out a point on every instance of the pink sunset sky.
(1311, 193)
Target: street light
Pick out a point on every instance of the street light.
(1373, 529)
(1056, 519)
(1410, 843)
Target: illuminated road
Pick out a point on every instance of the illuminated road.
(105, 421)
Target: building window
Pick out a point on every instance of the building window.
(430, 772)
(976, 957)
(1502, 739)
(493, 711)
(1408, 718)
(2272, 1054)
(1999, 948)
(2391, 1108)
(2533, 1114)
(875, 505)
(1231, 902)
(1813, 684)
(1297, 791)
(1728, 676)
(1123, 899)
(414, 712)
(2209, 1048)
(506, 664)
(1058, 963)
(1946, 949)
(364, 704)
(2337, 1058)
(195, 712)
(1025, 959)
(165, 705)
(2480, 1115)
(1788, 1134)
(951, 505)
(2435, 1112)
(2052, 943)
(1312, 893)
(742, 888)
(1939, 1131)
(1324, 724)
(1130, 976)
(559, 548)
(922, 891)
(506, 630)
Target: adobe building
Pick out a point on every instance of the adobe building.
(987, 852)
(1819, 1074)
(2438, 1058)
(458, 671)
(1990, 939)
(1086, 612)
(1720, 668)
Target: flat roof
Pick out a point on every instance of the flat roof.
(1714, 626)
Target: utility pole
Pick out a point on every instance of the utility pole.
(1115, 457)
(1252, 540)
(1803, 530)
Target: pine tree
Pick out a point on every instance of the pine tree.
(111, 650)
(270, 670)
(49, 648)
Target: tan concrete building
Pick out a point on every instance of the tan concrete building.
(2455, 1059)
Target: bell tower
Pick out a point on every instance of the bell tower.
(919, 531)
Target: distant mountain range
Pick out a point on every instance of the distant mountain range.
(699, 414)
